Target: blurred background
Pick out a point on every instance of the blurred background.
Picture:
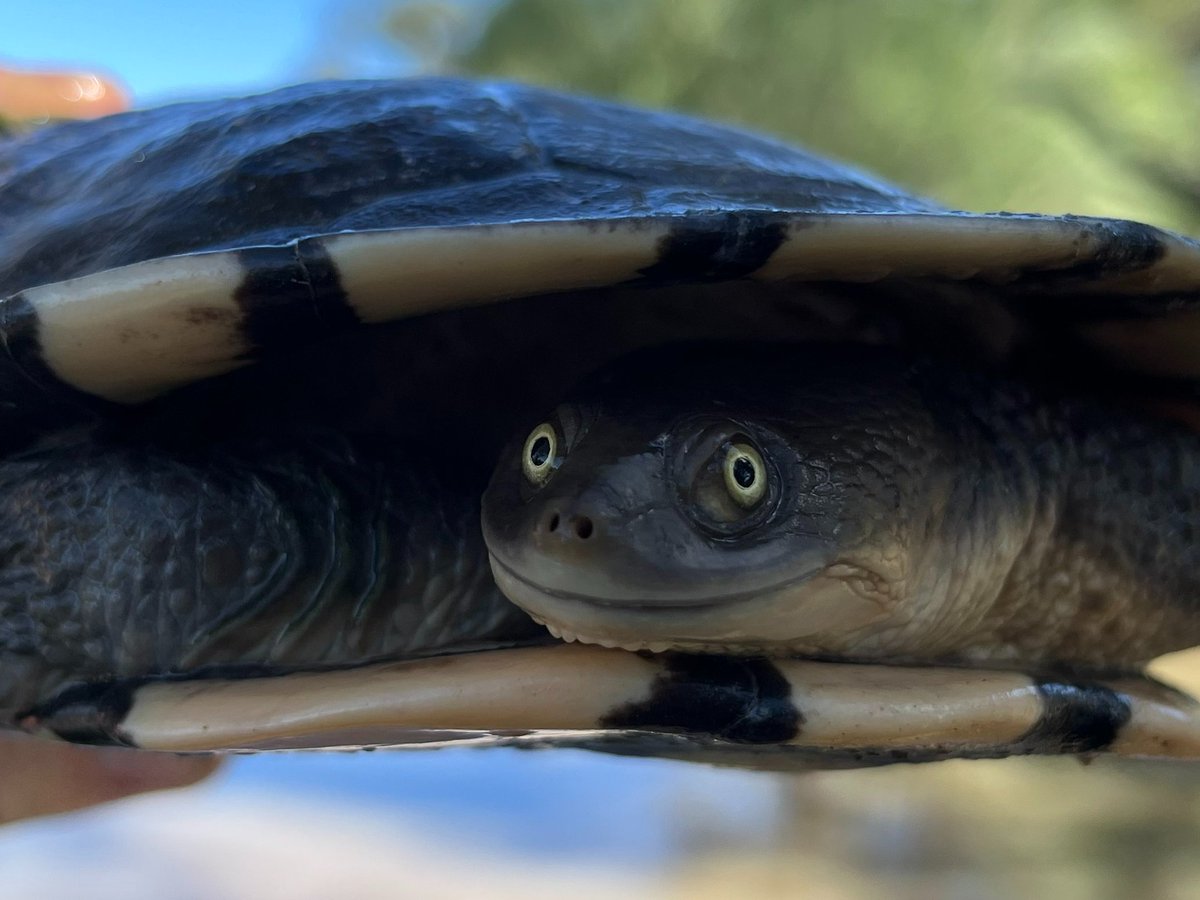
(1083, 106)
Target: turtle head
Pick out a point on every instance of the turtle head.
(684, 499)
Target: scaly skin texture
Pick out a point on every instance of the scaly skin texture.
(916, 512)
(1068, 535)
(120, 561)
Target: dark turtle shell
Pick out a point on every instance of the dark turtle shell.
(146, 256)
(255, 224)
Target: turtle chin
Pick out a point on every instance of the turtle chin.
(819, 613)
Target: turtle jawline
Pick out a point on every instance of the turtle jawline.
(651, 606)
(506, 574)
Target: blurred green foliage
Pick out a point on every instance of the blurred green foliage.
(1085, 106)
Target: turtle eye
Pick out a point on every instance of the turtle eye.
(745, 475)
(539, 454)
(729, 489)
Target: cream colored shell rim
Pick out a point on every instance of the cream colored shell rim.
(132, 333)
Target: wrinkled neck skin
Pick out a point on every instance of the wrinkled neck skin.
(914, 513)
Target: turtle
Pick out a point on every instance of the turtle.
(780, 465)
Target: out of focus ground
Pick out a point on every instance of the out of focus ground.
(1017, 828)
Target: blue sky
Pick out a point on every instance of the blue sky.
(165, 50)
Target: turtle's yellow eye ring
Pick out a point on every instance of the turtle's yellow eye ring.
(539, 454)
(745, 475)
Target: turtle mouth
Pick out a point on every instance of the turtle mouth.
(630, 623)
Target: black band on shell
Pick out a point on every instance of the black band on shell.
(717, 248)
(1077, 717)
(1121, 247)
(33, 400)
(743, 700)
(89, 713)
(291, 296)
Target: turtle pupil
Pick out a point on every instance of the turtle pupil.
(743, 471)
(540, 452)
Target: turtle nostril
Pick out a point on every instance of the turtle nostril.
(579, 526)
